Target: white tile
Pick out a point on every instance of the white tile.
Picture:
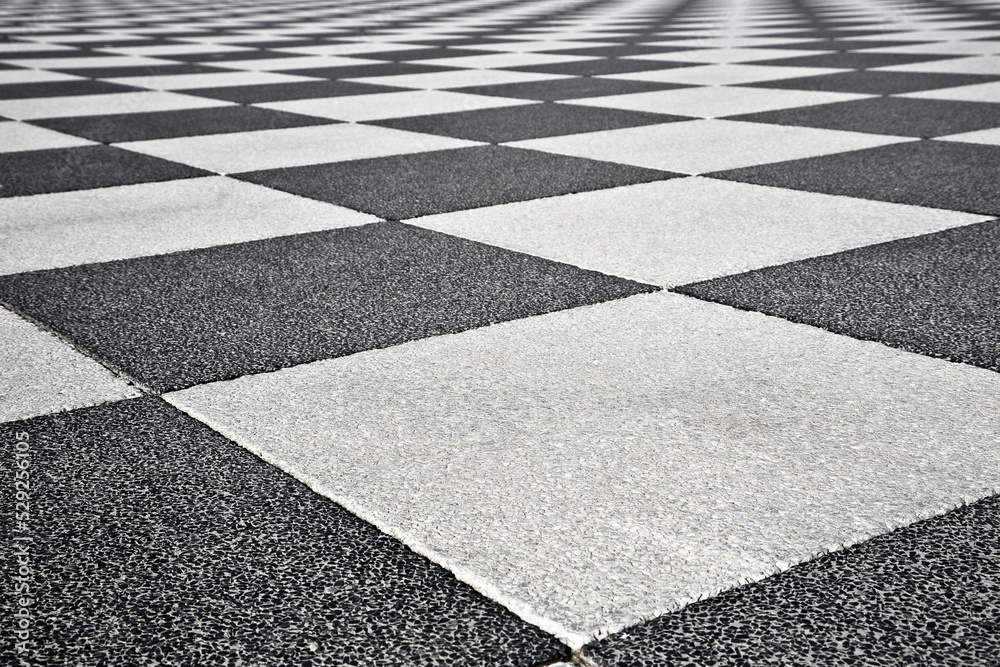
(8, 76)
(714, 101)
(10, 49)
(270, 149)
(597, 466)
(282, 64)
(943, 48)
(349, 49)
(703, 146)
(96, 61)
(457, 79)
(980, 92)
(503, 60)
(729, 42)
(724, 55)
(96, 105)
(991, 137)
(940, 35)
(970, 65)
(207, 80)
(84, 226)
(15, 136)
(683, 230)
(531, 46)
(722, 75)
(167, 50)
(391, 105)
(40, 374)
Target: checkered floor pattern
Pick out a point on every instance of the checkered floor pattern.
(500, 332)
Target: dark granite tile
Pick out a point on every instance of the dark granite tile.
(173, 321)
(179, 123)
(430, 53)
(937, 174)
(898, 116)
(567, 89)
(279, 92)
(936, 294)
(155, 540)
(601, 66)
(618, 51)
(62, 88)
(529, 121)
(407, 186)
(853, 60)
(363, 71)
(872, 82)
(927, 594)
(143, 70)
(82, 168)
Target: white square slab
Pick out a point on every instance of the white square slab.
(724, 55)
(349, 49)
(457, 79)
(598, 466)
(291, 147)
(208, 80)
(980, 92)
(722, 75)
(715, 101)
(683, 230)
(943, 48)
(292, 64)
(703, 146)
(167, 50)
(503, 60)
(98, 105)
(15, 136)
(97, 61)
(392, 105)
(8, 76)
(40, 374)
(991, 137)
(84, 226)
(970, 65)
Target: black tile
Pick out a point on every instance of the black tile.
(14, 91)
(55, 53)
(899, 116)
(601, 66)
(927, 594)
(937, 174)
(173, 321)
(407, 186)
(361, 71)
(842, 44)
(155, 540)
(82, 168)
(179, 123)
(299, 90)
(228, 56)
(403, 55)
(567, 89)
(936, 294)
(144, 70)
(529, 121)
(852, 60)
(874, 82)
(619, 50)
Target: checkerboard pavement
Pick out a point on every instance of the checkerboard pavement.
(507, 332)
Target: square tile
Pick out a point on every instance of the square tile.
(634, 453)
(941, 300)
(600, 66)
(40, 374)
(852, 60)
(291, 147)
(179, 123)
(84, 167)
(374, 69)
(718, 56)
(989, 65)
(61, 89)
(567, 89)
(982, 92)
(682, 230)
(18, 76)
(15, 136)
(897, 116)
(876, 82)
(280, 92)
(172, 321)
(406, 186)
(455, 79)
(291, 65)
(980, 137)
(209, 80)
(85, 226)
(391, 105)
(936, 174)
(524, 122)
(718, 75)
(714, 101)
(700, 146)
(95, 105)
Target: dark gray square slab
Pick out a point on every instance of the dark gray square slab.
(62, 88)
(853, 60)
(155, 540)
(280, 92)
(430, 53)
(142, 70)
(362, 71)
(874, 82)
(173, 321)
(407, 186)
(567, 89)
(937, 294)
(179, 123)
(530, 121)
(618, 50)
(600, 66)
(82, 168)
(899, 116)
(938, 174)
(926, 594)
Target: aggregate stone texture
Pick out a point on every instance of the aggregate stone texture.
(937, 294)
(921, 595)
(596, 467)
(174, 320)
(157, 541)
(40, 374)
(876, 82)
(407, 186)
(898, 173)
